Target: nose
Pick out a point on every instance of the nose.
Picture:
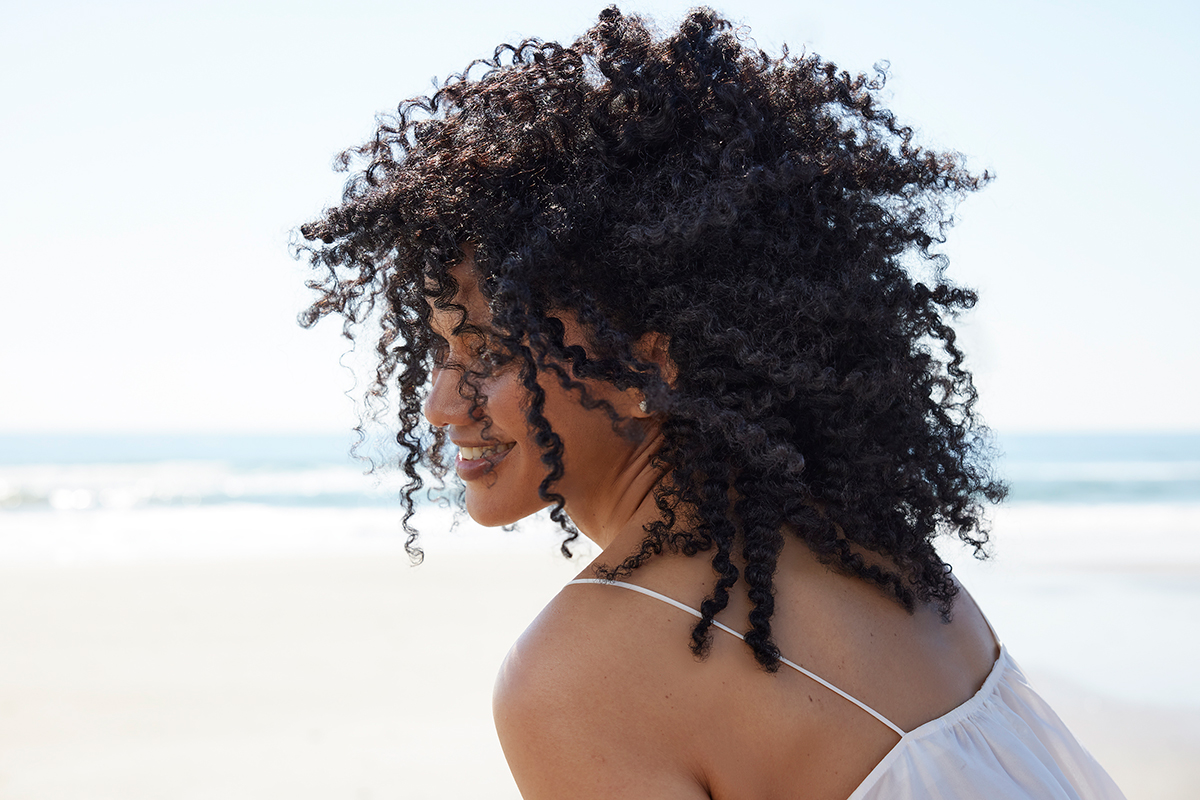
(445, 404)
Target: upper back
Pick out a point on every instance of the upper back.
(610, 670)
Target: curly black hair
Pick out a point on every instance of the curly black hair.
(765, 215)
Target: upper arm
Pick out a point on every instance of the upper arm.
(579, 722)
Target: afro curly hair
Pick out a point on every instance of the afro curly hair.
(766, 216)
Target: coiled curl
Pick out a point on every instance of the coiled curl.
(765, 215)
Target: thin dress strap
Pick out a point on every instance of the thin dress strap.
(727, 629)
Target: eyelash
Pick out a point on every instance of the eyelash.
(439, 353)
(487, 357)
(493, 358)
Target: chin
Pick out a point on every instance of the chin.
(490, 518)
(489, 512)
(489, 509)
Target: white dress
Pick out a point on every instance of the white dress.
(1005, 743)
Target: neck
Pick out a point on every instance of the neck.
(625, 505)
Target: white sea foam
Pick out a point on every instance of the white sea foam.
(1106, 471)
(105, 535)
(1094, 536)
(74, 487)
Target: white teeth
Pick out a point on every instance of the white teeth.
(474, 453)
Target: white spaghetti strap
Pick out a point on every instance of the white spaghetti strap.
(665, 599)
(727, 629)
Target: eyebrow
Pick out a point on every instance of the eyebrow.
(437, 311)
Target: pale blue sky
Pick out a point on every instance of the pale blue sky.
(157, 154)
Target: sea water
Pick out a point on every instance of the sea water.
(1094, 572)
(80, 499)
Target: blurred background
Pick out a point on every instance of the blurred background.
(201, 594)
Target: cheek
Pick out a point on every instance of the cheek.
(506, 402)
(587, 434)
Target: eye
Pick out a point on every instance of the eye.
(439, 352)
(492, 358)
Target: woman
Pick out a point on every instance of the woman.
(685, 295)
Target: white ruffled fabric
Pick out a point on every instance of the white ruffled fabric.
(1005, 743)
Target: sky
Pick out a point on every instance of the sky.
(158, 155)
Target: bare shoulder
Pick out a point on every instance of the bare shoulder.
(592, 699)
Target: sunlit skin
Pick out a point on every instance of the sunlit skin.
(601, 698)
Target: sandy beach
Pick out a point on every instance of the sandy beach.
(337, 676)
(301, 678)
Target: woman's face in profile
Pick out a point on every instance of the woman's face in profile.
(503, 467)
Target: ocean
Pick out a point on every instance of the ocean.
(1094, 575)
(58, 472)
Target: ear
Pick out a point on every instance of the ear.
(653, 347)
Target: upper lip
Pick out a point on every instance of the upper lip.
(488, 443)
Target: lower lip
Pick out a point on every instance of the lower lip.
(476, 468)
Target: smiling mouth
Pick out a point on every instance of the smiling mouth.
(476, 453)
